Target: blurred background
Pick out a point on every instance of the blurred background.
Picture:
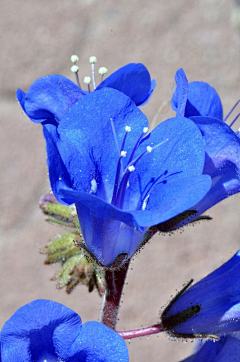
(37, 37)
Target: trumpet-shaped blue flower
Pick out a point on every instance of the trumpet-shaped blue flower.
(227, 349)
(121, 180)
(50, 97)
(210, 307)
(46, 331)
(201, 103)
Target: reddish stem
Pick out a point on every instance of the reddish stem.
(114, 286)
(141, 332)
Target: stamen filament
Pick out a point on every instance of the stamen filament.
(155, 183)
(93, 76)
(127, 172)
(122, 153)
(102, 71)
(234, 120)
(93, 60)
(227, 116)
(77, 80)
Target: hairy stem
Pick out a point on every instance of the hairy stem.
(141, 332)
(114, 285)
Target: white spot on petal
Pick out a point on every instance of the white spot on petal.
(93, 186)
(144, 205)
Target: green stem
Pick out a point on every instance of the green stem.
(114, 286)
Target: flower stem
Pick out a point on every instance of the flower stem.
(114, 285)
(141, 332)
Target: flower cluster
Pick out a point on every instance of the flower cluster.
(101, 157)
(200, 102)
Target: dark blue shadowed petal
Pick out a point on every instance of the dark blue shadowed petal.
(153, 85)
(29, 334)
(49, 98)
(96, 342)
(133, 80)
(225, 350)
(108, 231)
(218, 296)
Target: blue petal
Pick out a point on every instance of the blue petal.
(96, 342)
(58, 173)
(218, 296)
(133, 80)
(221, 144)
(203, 100)
(29, 334)
(171, 199)
(88, 127)
(108, 231)
(225, 350)
(153, 85)
(180, 95)
(178, 157)
(49, 98)
(222, 160)
(195, 98)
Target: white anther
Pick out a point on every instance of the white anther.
(93, 59)
(102, 70)
(239, 129)
(145, 130)
(87, 80)
(131, 168)
(127, 129)
(93, 186)
(74, 58)
(74, 68)
(123, 153)
(149, 149)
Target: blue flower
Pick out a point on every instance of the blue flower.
(201, 103)
(50, 97)
(227, 349)
(210, 307)
(121, 180)
(46, 331)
